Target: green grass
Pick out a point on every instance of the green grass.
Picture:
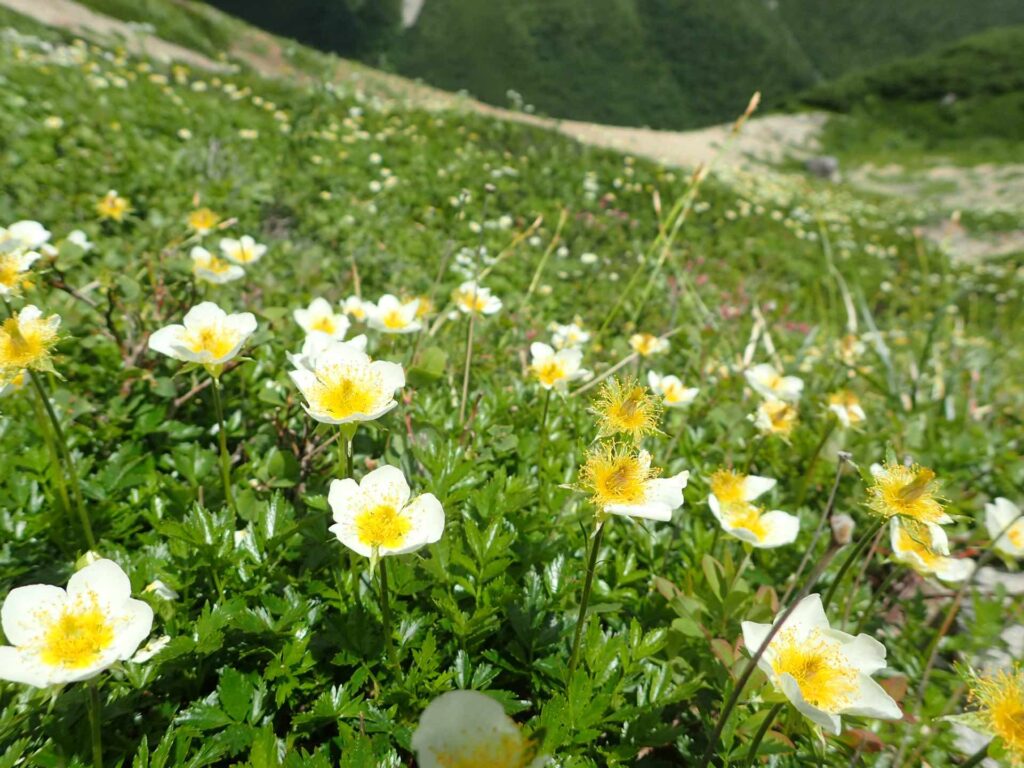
(276, 649)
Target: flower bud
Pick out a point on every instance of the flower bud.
(842, 529)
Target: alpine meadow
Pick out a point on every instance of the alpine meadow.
(348, 422)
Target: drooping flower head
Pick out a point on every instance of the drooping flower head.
(621, 481)
(647, 344)
(213, 269)
(342, 385)
(473, 298)
(907, 492)
(626, 407)
(320, 317)
(671, 389)
(113, 207)
(999, 698)
(772, 385)
(202, 221)
(775, 417)
(925, 548)
(354, 307)
(375, 517)
(62, 636)
(26, 342)
(847, 408)
(467, 729)
(554, 370)
(1005, 526)
(207, 335)
(823, 672)
(391, 315)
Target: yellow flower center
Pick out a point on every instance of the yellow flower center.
(824, 676)
(394, 320)
(727, 486)
(112, 207)
(781, 417)
(215, 341)
(627, 407)
(549, 373)
(25, 344)
(77, 638)
(613, 475)
(747, 517)
(324, 323)
(672, 392)
(1001, 697)
(506, 751)
(347, 391)
(243, 254)
(909, 543)
(10, 269)
(906, 492)
(382, 526)
(473, 301)
(644, 345)
(203, 220)
(1016, 534)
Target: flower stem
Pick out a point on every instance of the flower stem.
(890, 577)
(805, 481)
(69, 462)
(385, 612)
(858, 548)
(94, 725)
(759, 736)
(225, 457)
(344, 452)
(55, 457)
(543, 433)
(465, 373)
(588, 584)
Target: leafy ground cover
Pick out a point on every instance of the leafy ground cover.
(272, 643)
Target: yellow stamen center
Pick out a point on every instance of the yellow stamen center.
(25, 344)
(550, 372)
(324, 324)
(906, 492)
(394, 320)
(347, 391)
(10, 269)
(215, 341)
(382, 526)
(748, 517)
(727, 486)
(613, 475)
(77, 638)
(506, 751)
(824, 676)
(1001, 697)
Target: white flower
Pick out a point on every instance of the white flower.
(554, 370)
(342, 385)
(925, 548)
(161, 590)
(355, 307)
(847, 408)
(775, 417)
(244, 250)
(206, 266)
(13, 265)
(15, 384)
(473, 298)
(319, 317)
(23, 235)
(1002, 516)
(467, 728)
(823, 672)
(207, 335)
(730, 501)
(79, 238)
(316, 342)
(671, 389)
(376, 517)
(647, 344)
(60, 636)
(568, 336)
(768, 383)
(151, 649)
(621, 483)
(391, 315)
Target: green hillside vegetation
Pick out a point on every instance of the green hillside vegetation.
(275, 645)
(965, 101)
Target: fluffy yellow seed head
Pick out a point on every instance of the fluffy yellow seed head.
(906, 492)
(626, 407)
(1000, 701)
(613, 474)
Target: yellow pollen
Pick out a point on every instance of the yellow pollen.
(506, 751)
(727, 486)
(627, 407)
(746, 516)
(112, 207)
(10, 269)
(215, 341)
(203, 220)
(77, 638)
(908, 492)
(1001, 705)
(394, 320)
(382, 526)
(1016, 535)
(824, 676)
(325, 324)
(345, 392)
(243, 254)
(613, 475)
(549, 373)
(25, 344)
(908, 542)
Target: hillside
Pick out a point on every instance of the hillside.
(662, 63)
(291, 534)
